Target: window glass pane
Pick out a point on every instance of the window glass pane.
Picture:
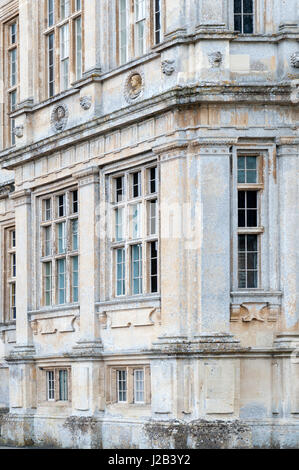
(136, 220)
(138, 386)
(252, 242)
(50, 12)
(237, 6)
(154, 267)
(153, 180)
(119, 221)
(75, 278)
(137, 269)
(74, 234)
(48, 241)
(64, 9)
(123, 31)
(248, 6)
(48, 283)
(62, 238)
(13, 100)
(136, 180)
(242, 242)
(61, 281)
(61, 205)
(63, 385)
(120, 272)
(153, 217)
(78, 49)
(251, 218)
(252, 279)
(78, 5)
(251, 163)
(13, 301)
(47, 209)
(75, 202)
(122, 385)
(13, 33)
(119, 189)
(13, 67)
(157, 21)
(50, 385)
(51, 77)
(238, 23)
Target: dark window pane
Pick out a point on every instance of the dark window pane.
(241, 199)
(252, 261)
(248, 24)
(241, 261)
(237, 6)
(251, 218)
(247, 6)
(241, 242)
(252, 279)
(238, 23)
(242, 279)
(241, 218)
(251, 242)
(252, 199)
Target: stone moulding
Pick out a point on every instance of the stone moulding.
(259, 311)
(46, 326)
(133, 317)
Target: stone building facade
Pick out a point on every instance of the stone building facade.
(149, 223)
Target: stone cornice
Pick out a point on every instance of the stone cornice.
(178, 96)
(21, 197)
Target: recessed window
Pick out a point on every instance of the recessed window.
(157, 21)
(122, 385)
(130, 385)
(57, 385)
(249, 187)
(59, 249)
(243, 16)
(139, 386)
(135, 232)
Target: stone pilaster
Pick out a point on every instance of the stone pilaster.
(92, 37)
(175, 18)
(24, 230)
(288, 170)
(88, 191)
(211, 15)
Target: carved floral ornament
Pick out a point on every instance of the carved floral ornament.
(249, 311)
(215, 59)
(134, 86)
(59, 117)
(85, 102)
(168, 66)
(295, 60)
(19, 131)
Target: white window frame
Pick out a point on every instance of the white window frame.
(130, 239)
(51, 220)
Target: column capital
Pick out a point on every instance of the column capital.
(87, 176)
(21, 197)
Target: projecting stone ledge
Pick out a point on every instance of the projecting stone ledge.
(211, 342)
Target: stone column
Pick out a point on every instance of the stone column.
(26, 46)
(211, 15)
(24, 233)
(22, 377)
(288, 170)
(87, 371)
(92, 37)
(88, 192)
(175, 18)
(214, 186)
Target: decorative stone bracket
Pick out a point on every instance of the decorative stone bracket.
(136, 317)
(47, 326)
(249, 311)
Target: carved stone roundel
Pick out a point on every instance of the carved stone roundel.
(134, 86)
(59, 117)
(295, 60)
